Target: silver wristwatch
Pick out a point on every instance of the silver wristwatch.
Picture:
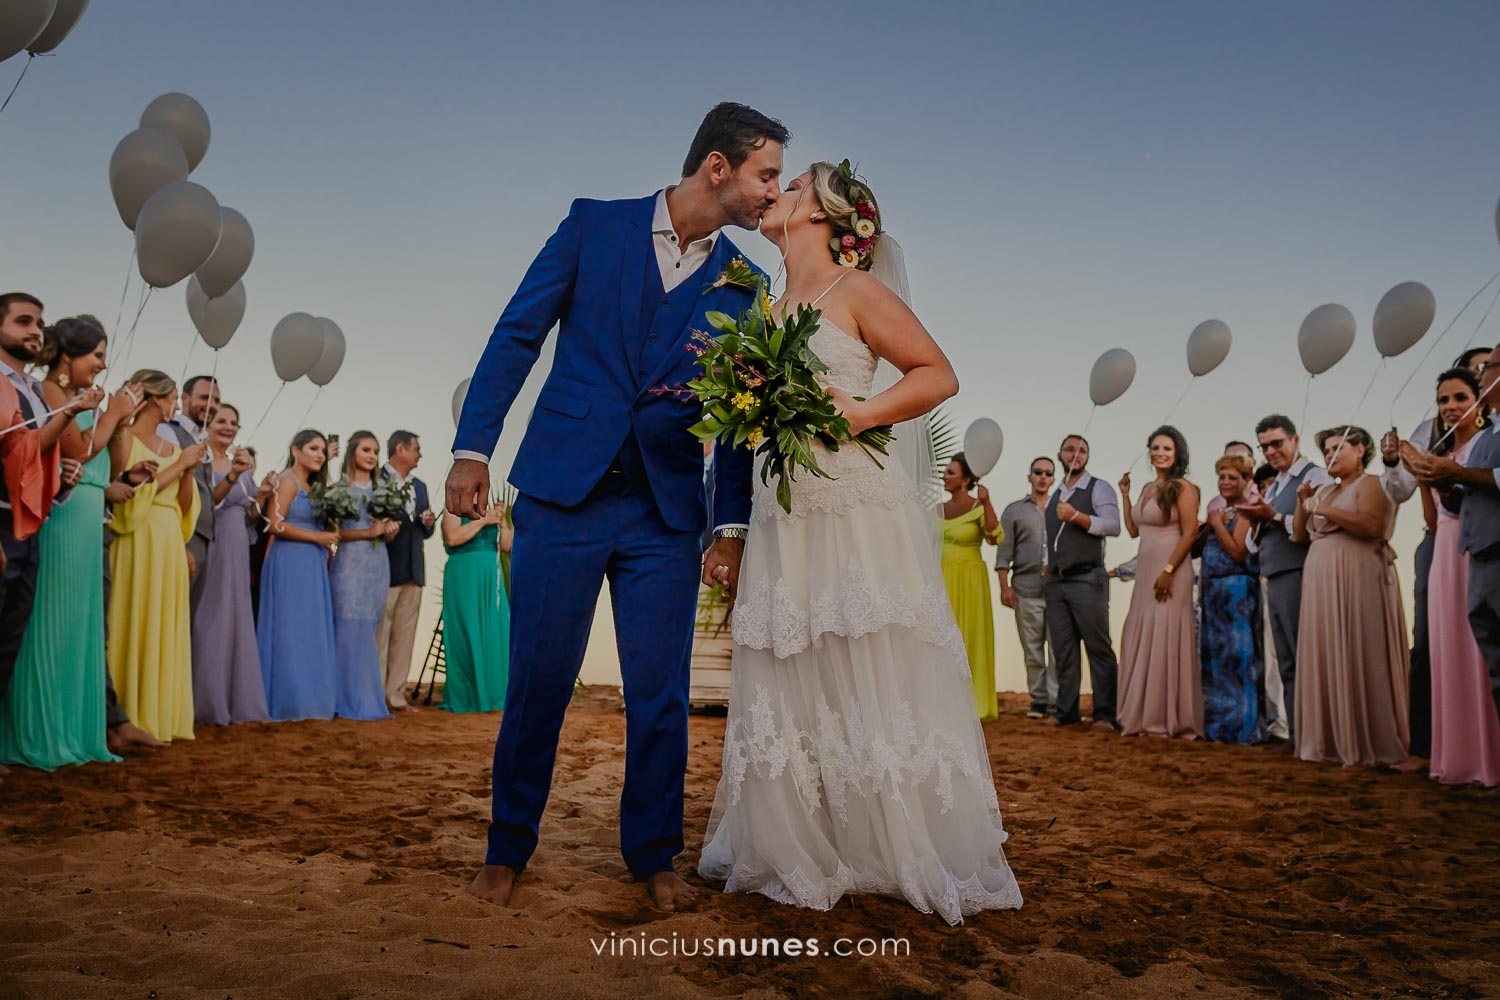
(740, 533)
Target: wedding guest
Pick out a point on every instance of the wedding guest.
(54, 712)
(150, 650)
(360, 578)
(1252, 492)
(1351, 648)
(398, 621)
(200, 398)
(1229, 591)
(1020, 564)
(227, 682)
(1273, 705)
(969, 520)
(1400, 485)
(1160, 676)
(123, 734)
(1281, 556)
(295, 633)
(262, 540)
(1082, 512)
(476, 612)
(1474, 485)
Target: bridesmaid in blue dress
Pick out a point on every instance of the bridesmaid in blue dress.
(295, 632)
(1229, 587)
(361, 577)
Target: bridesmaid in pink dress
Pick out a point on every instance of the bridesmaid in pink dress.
(1161, 681)
(1465, 732)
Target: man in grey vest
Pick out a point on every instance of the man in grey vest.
(1021, 561)
(200, 401)
(1475, 486)
(1083, 511)
(1281, 558)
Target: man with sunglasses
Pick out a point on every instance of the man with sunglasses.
(1020, 562)
(1281, 558)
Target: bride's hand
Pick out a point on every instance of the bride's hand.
(851, 410)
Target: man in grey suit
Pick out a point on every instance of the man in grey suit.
(200, 401)
(1475, 487)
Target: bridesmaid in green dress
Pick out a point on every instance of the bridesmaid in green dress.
(53, 713)
(476, 612)
(967, 521)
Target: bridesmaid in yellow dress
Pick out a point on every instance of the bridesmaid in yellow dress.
(967, 521)
(150, 649)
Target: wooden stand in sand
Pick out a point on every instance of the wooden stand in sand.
(713, 648)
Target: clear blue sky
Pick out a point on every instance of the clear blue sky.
(1065, 179)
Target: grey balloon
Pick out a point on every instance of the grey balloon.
(231, 258)
(332, 357)
(21, 21)
(983, 443)
(1403, 317)
(1325, 337)
(1207, 346)
(215, 319)
(1112, 375)
(459, 395)
(296, 345)
(63, 19)
(142, 164)
(185, 119)
(177, 231)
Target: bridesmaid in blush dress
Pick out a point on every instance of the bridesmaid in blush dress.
(1352, 657)
(227, 683)
(1160, 679)
(298, 656)
(360, 578)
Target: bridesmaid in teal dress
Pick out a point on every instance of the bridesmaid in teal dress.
(476, 612)
(53, 713)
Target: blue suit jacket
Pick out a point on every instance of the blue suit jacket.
(405, 550)
(587, 280)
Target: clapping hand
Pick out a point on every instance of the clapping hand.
(1305, 491)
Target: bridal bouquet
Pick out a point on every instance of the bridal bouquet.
(758, 389)
(389, 499)
(334, 504)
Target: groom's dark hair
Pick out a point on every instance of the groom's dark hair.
(734, 130)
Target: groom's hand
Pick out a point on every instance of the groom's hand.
(468, 488)
(725, 553)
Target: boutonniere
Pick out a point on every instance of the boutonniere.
(738, 275)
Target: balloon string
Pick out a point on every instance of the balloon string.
(1357, 407)
(263, 416)
(130, 337)
(129, 270)
(35, 419)
(29, 58)
(1458, 423)
(1439, 339)
(303, 422)
(1306, 396)
(1090, 421)
(182, 379)
(1486, 316)
(1186, 389)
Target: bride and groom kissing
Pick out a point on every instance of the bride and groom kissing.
(853, 760)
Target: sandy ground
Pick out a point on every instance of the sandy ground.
(329, 860)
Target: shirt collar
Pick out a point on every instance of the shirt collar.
(1082, 484)
(187, 423)
(661, 224)
(391, 470)
(1294, 470)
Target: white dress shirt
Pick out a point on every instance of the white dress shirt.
(1105, 520)
(1398, 481)
(411, 499)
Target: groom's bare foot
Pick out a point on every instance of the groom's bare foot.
(670, 893)
(493, 884)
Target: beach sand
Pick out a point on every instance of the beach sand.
(328, 859)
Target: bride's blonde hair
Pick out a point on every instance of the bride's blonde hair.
(847, 200)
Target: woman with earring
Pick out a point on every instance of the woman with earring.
(298, 653)
(1161, 685)
(1465, 732)
(360, 579)
(227, 685)
(53, 713)
(150, 647)
(969, 520)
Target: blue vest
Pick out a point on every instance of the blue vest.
(1278, 553)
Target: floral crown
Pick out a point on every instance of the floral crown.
(858, 234)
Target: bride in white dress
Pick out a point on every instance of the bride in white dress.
(854, 761)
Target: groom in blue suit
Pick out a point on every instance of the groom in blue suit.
(611, 483)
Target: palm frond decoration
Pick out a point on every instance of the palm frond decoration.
(506, 495)
(946, 442)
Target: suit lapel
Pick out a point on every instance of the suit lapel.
(637, 253)
(713, 300)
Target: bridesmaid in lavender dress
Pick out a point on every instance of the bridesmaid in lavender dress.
(227, 683)
(360, 578)
(1161, 682)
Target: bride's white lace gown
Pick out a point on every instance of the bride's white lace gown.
(853, 756)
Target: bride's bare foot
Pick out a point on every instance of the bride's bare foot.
(127, 735)
(493, 884)
(671, 893)
(1413, 765)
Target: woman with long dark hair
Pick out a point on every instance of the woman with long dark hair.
(53, 713)
(298, 657)
(1161, 687)
(968, 520)
(360, 578)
